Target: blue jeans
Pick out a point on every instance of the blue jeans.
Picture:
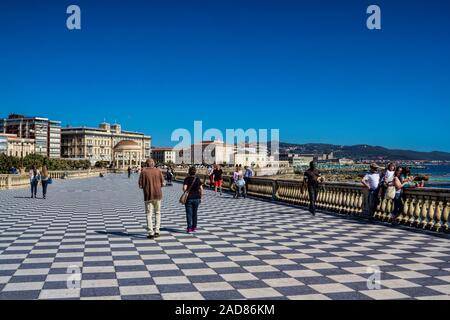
(398, 205)
(34, 184)
(373, 201)
(44, 187)
(312, 192)
(191, 212)
(240, 190)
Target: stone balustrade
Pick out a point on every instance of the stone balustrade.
(424, 208)
(14, 181)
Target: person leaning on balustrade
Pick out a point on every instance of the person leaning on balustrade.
(399, 184)
(372, 182)
(312, 179)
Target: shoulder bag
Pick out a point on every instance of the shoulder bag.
(185, 195)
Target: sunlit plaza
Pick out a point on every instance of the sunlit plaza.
(87, 240)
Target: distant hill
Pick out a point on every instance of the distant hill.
(363, 151)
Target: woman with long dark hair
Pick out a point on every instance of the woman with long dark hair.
(399, 184)
(35, 176)
(193, 185)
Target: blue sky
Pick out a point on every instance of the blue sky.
(309, 68)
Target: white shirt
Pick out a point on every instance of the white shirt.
(389, 176)
(31, 174)
(373, 180)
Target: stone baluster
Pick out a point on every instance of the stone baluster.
(423, 218)
(438, 217)
(445, 214)
(417, 211)
(431, 216)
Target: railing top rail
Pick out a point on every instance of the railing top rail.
(348, 185)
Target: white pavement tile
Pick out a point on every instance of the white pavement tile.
(23, 286)
(59, 293)
(309, 297)
(233, 277)
(384, 294)
(138, 290)
(283, 282)
(445, 289)
(183, 296)
(213, 286)
(260, 293)
(331, 288)
(171, 280)
(100, 283)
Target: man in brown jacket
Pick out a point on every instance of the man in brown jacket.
(151, 181)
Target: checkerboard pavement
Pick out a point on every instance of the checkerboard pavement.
(244, 249)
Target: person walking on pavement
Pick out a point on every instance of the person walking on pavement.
(248, 173)
(218, 178)
(151, 181)
(169, 176)
(45, 179)
(35, 176)
(194, 187)
(311, 178)
(211, 177)
(129, 172)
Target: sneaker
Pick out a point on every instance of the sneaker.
(188, 230)
(157, 235)
(150, 236)
(194, 229)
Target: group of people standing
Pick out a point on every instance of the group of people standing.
(388, 184)
(151, 181)
(240, 179)
(381, 184)
(37, 176)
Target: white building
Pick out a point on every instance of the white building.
(12, 145)
(219, 152)
(164, 155)
(302, 160)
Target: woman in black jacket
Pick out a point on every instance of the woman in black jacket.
(195, 187)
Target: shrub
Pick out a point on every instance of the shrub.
(7, 162)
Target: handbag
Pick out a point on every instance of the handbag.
(49, 181)
(185, 195)
(390, 193)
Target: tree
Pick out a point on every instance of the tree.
(33, 160)
(101, 164)
(7, 162)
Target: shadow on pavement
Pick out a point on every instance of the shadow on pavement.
(136, 235)
(123, 234)
(173, 230)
